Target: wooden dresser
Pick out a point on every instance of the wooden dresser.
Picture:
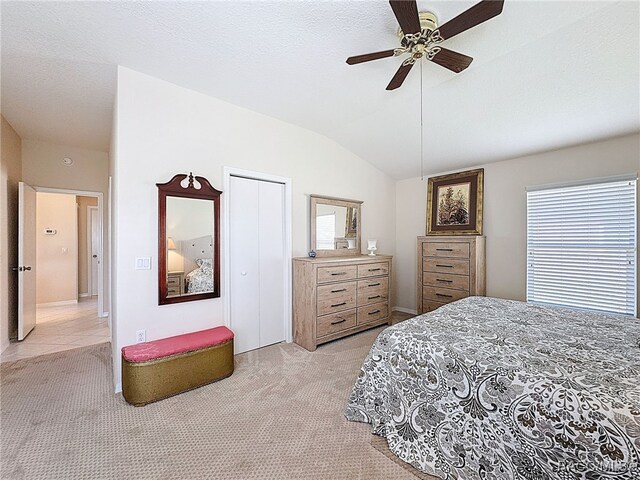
(449, 268)
(337, 296)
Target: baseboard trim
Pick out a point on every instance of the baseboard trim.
(84, 295)
(104, 314)
(118, 388)
(404, 310)
(55, 304)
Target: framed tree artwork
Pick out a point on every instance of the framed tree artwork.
(454, 203)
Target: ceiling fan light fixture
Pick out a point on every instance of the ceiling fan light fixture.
(428, 21)
(421, 36)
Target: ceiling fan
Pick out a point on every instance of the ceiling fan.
(420, 37)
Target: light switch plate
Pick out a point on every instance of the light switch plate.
(143, 263)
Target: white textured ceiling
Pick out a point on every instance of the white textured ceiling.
(545, 74)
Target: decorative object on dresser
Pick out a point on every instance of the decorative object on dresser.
(335, 226)
(372, 246)
(454, 203)
(336, 297)
(449, 268)
(188, 240)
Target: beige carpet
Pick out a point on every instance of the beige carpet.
(278, 417)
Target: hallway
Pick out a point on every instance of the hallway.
(61, 328)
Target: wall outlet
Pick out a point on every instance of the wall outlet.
(141, 336)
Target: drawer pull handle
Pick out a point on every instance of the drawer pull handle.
(443, 295)
(339, 304)
(339, 322)
(337, 291)
(444, 249)
(375, 296)
(339, 273)
(444, 281)
(374, 312)
(444, 266)
(373, 284)
(375, 269)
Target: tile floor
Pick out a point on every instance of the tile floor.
(61, 328)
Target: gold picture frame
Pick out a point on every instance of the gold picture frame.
(454, 203)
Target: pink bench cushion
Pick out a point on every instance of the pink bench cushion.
(166, 347)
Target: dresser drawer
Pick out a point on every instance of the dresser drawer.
(373, 290)
(173, 281)
(335, 322)
(442, 295)
(173, 290)
(456, 250)
(337, 274)
(373, 269)
(445, 265)
(457, 282)
(429, 306)
(373, 312)
(336, 297)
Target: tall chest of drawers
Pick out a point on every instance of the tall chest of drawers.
(449, 268)
(339, 296)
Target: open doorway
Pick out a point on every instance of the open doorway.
(67, 266)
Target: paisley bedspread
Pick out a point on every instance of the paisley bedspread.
(200, 280)
(496, 389)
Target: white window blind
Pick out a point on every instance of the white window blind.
(581, 246)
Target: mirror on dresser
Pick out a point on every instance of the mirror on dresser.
(188, 240)
(335, 226)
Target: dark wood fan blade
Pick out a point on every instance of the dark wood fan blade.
(367, 57)
(406, 12)
(399, 77)
(454, 61)
(480, 12)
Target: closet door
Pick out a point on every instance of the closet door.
(244, 263)
(257, 262)
(272, 263)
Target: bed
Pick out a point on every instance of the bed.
(485, 388)
(197, 254)
(200, 279)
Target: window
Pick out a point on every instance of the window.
(581, 245)
(325, 231)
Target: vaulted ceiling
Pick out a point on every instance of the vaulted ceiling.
(544, 75)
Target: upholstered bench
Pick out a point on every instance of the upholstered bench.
(161, 368)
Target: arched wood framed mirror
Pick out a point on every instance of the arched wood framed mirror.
(188, 240)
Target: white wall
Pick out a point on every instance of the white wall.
(505, 185)
(10, 175)
(42, 167)
(161, 130)
(56, 255)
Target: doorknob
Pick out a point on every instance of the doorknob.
(26, 268)
(94, 256)
(20, 269)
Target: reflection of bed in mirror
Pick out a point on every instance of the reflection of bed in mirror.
(197, 254)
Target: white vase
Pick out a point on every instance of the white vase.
(372, 247)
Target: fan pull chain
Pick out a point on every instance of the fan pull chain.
(421, 127)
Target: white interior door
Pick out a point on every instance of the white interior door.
(26, 259)
(272, 262)
(94, 250)
(256, 262)
(244, 263)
